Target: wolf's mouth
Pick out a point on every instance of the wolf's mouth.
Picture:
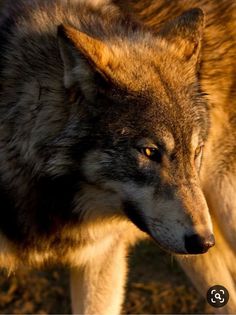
(167, 247)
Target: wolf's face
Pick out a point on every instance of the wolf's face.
(150, 125)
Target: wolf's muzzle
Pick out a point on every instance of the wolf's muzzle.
(196, 244)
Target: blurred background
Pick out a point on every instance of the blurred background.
(156, 284)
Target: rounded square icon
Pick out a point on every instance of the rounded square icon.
(217, 296)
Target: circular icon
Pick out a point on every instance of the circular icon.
(217, 296)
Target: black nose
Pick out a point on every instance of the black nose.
(196, 244)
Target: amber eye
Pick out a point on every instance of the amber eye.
(198, 151)
(153, 154)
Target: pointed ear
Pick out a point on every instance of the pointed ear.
(83, 56)
(184, 34)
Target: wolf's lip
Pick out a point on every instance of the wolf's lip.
(167, 248)
(134, 214)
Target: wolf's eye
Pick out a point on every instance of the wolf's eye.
(198, 156)
(152, 153)
(198, 151)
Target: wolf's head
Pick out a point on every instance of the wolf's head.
(146, 124)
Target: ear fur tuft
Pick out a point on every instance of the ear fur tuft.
(83, 56)
(184, 33)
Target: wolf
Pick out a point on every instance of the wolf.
(104, 124)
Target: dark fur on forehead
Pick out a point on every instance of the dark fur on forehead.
(141, 114)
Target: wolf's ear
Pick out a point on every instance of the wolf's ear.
(83, 56)
(184, 34)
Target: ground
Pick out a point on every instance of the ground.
(156, 285)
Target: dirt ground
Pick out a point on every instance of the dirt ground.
(156, 285)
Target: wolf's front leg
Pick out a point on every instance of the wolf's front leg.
(98, 287)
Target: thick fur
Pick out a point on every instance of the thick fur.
(84, 89)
